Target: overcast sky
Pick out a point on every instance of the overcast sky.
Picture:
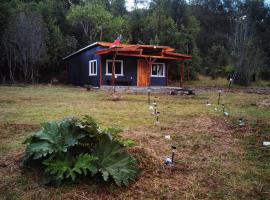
(130, 4)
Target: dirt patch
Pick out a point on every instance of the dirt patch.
(203, 158)
(11, 162)
(259, 90)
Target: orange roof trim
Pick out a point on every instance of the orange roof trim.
(142, 51)
(137, 50)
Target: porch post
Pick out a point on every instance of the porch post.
(188, 71)
(167, 74)
(113, 70)
(182, 74)
(149, 72)
(100, 73)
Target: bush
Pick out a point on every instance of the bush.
(76, 147)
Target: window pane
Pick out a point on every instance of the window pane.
(95, 67)
(92, 71)
(160, 70)
(109, 68)
(154, 69)
(118, 68)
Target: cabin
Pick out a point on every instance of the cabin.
(101, 64)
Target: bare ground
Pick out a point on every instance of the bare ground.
(204, 149)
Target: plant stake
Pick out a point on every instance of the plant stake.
(157, 115)
(219, 94)
(148, 92)
(223, 109)
(173, 152)
(241, 122)
(155, 107)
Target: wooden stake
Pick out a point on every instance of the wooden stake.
(182, 74)
(113, 70)
(100, 73)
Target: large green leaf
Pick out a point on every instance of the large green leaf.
(54, 137)
(114, 162)
(69, 167)
(88, 125)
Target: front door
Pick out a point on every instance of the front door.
(142, 73)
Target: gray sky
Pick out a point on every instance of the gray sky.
(130, 4)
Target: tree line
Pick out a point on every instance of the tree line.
(226, 38)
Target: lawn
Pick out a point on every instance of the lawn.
(215, 158)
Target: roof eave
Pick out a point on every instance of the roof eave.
(80, 50)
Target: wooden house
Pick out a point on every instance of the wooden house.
(134, 65)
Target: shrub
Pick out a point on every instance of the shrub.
(78, 147)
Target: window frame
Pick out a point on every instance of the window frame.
(122, 67)
(158, 63)
(90, 67)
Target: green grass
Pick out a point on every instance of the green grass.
(215, 159)
(206, 81)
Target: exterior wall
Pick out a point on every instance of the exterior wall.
(78, 68)
(129, 70)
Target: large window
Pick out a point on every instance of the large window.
(158, 70)
(118, 67)
(92, 67)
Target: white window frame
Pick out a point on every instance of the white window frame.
(90, 66)
(122, 68)
(163, 65)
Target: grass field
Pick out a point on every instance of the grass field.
(215, 158)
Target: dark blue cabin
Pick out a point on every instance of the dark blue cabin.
(132, 65)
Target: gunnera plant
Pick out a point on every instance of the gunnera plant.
(73, 147)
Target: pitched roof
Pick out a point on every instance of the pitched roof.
(137, 50)
(145, 51)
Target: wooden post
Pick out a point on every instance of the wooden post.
(182, 74)
(167, 74)
(113, 70)
(149, 72)
(100, 73)
(188, 71)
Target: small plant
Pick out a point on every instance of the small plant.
(88, 87)
(76, 147)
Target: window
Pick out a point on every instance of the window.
(118, 67)
(158, 70)
(92, 67)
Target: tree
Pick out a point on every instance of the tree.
(90, 19)
(137, 23)
(118, 7)
(217, 61)
(247, 55)
(25, 42)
